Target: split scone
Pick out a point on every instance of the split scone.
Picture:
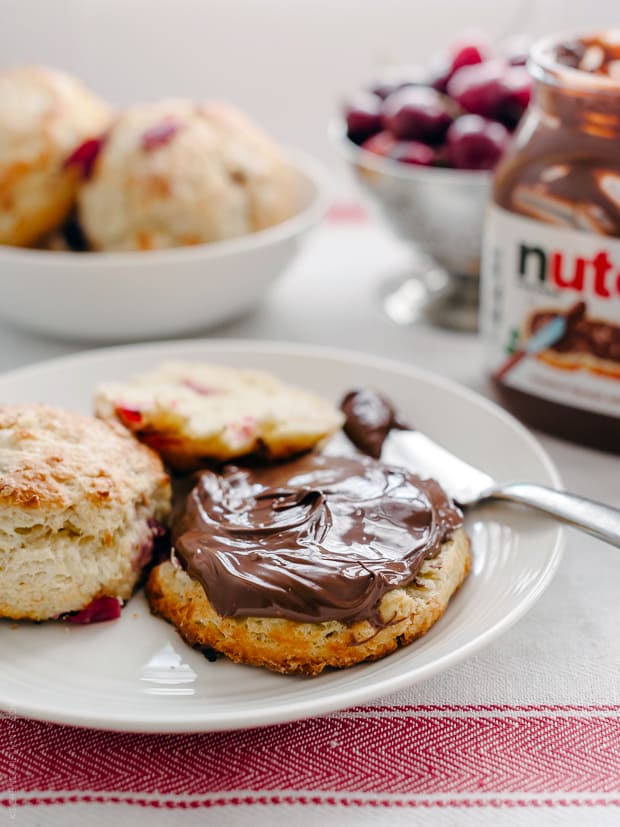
(193, 413)
(321, 562)
(45, 115)
(177, 173)
(81, 502)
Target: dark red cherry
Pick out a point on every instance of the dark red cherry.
(476, 143)
(413, 152)
(380, 144)
(515, 91)
(417, 113)
(478, 88)
(363, 116)
(470, 49)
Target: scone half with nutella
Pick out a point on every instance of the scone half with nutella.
(81, 502)
(320, 562)
(194, 413)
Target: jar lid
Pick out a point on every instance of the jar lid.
(589, 62)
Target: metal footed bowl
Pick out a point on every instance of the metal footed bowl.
(441, 212)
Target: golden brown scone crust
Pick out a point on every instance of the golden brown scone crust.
(177, 173)
(76, 497)
(308, 648)
(44, 116)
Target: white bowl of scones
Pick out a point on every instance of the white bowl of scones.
(160, 219)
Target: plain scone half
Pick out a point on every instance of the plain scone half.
(192, 413)
(81, 501)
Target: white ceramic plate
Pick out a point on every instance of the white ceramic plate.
(137, 674)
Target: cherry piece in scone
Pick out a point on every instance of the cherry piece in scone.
(363, 116)
(160, 134)
(417, 113)
(475, 142)
(413, 152)
(199, 388)
(99, 610)
(128, 416)
(84, 156)
(380, 144)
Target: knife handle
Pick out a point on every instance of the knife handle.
(602, 521)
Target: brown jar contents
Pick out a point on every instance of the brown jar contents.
(552, 244)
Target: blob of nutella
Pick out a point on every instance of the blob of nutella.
(320, 538)
(550, 290)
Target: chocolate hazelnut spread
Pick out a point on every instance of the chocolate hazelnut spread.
(552, 243)
(321, 538)
(369, 419)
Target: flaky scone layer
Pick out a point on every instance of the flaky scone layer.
(78, 497)
(193, 413)
(291, 647)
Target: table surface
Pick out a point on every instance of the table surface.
(527, 732)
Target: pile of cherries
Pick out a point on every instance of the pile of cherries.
(458, 113)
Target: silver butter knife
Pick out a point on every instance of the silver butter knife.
(468, 485)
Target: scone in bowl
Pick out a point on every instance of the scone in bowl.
(124, 296)
(439, 210)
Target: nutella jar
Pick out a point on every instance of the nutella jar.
(550, 290)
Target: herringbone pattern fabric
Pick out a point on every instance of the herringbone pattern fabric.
(459, 756)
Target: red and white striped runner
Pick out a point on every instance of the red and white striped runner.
(442, 756)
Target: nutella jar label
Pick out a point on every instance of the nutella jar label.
(550, 311)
